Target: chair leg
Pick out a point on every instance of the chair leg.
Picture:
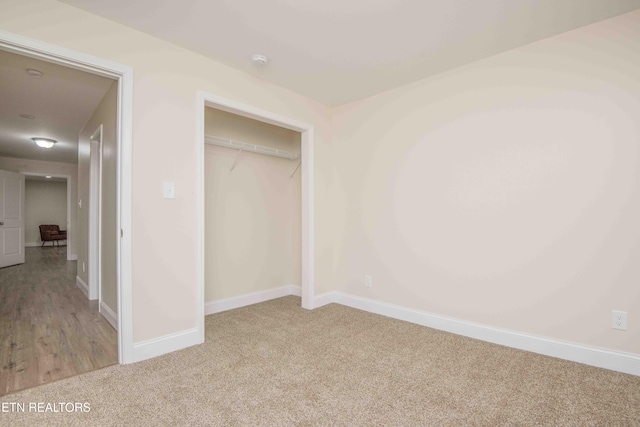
(43, 242)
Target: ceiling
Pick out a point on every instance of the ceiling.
(337, 51)
(62, 101)
(334, 51)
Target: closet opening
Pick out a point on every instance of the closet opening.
(252, 207)
(255, 210)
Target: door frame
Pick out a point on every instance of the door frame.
(95, 215)
(124, 76)
(205, 99)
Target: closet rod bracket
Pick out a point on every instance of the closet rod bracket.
(295, 169)
(235, 160)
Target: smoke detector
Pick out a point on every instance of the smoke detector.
(259, 60)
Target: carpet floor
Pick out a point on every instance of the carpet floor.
(276, 364)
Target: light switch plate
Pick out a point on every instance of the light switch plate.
(169, 190)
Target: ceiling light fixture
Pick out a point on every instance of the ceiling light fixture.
(48, 176)
(259, 60)
(34, 73)
(28, 116)
(44, 142)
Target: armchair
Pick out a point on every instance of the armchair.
(52, 233)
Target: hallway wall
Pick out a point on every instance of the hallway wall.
(106, 115)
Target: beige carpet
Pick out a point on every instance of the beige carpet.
(275, 364)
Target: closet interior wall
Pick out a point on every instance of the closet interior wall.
(253, 212)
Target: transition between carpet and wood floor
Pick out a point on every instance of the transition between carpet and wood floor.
(276, 364)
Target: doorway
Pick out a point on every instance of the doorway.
(124, 77)
(34, 214)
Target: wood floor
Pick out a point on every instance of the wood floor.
(48, 329)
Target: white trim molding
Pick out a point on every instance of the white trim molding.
(169, 343)
(180, 340)
(109, 315)
(219, 306)
(83, 286)
(94, 261)
(593, 356)
(39, 245)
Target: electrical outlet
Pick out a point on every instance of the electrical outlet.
(368, 282)
(619, 320)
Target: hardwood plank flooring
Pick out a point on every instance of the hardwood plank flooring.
(48, 328)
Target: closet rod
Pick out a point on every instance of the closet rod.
(245, 146)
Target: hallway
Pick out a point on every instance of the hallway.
(48, 329)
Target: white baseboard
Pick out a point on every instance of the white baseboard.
(71, 257)
(169, 343)
(83, 286)
(601, 358)
(295, 290)
(39, 244)
(158, 346)
(219, 306)
(108, 314)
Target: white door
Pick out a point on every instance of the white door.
(11, 218)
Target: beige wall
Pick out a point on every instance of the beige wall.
(51, 168)
(504, 192)
(45, 202)
(106, 115)
(166, 81)
(252, 214)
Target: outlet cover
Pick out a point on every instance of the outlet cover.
(368, 282)
(619, 320)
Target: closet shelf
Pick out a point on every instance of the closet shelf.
(245, 146)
